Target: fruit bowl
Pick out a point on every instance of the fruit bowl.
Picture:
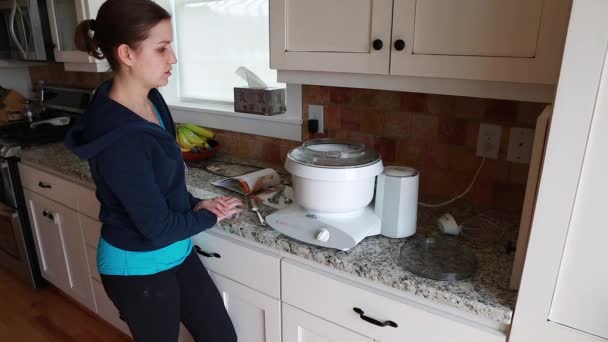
(202, 154)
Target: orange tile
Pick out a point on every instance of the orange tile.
(501, 111)
(332, 116)
(397, 124)
(412, 102)
(452, 131)
(350, 119)
(424, 128)
(372, 122)
(518, 173)
(386, 147)
(340, 95)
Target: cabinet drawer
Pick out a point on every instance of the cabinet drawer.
(247, 265)
(300, 326)
(335, 300)
(106, 309)
(49, 186)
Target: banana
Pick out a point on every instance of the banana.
(201, 131)
(183, 142)
(191, 136)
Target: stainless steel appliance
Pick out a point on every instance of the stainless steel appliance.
(24, 30)
(17, 250)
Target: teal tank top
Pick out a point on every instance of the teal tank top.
(112, 260)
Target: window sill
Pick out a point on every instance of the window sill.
(283, 126)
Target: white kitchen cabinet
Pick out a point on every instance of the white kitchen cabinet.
(256, 268)
(60, 245)
(256, 316)
(371, 313)
(491, 40)
(300, 326)
(345, 35)
(248, 279)
(64, 16)
(499, 40)
(563, 294)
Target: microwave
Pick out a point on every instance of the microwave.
(24, 31)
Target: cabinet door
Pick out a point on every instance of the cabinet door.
(499, 40)
(61, 247)
(330, 35)
(256, 317)
(563, 294)
(48, 240)
(300, 326)
(64, 16)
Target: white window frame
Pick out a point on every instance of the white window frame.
(222, 116)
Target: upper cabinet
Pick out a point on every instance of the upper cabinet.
(64, 16)
(344, 36)
(490, 40)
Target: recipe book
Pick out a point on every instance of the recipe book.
(250, 183)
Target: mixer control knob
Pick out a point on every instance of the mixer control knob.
(322, 235)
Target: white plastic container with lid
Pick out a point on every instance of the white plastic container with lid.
(397, 201)
(333, 176)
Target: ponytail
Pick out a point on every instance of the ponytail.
(85, 41)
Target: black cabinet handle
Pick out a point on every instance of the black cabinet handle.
(47, 214)
(44, 185)
(399, 44)
(374, 321)
(377, 44)
(205, 254)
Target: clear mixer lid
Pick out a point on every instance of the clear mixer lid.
(334, 153)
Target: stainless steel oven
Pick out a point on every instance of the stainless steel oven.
(17, 250)
(24, 30)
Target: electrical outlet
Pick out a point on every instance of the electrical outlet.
(520, 145)
(488, 141)
(315, 112)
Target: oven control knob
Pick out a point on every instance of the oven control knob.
(322, 235)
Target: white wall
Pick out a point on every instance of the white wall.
(16, 78)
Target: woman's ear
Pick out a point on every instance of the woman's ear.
(125, 55)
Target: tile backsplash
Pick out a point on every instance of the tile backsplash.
(436, 134)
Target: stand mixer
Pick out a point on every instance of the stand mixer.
(334, 182)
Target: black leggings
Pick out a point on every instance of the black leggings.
(153, 305)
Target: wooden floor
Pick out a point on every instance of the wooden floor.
(46, 315)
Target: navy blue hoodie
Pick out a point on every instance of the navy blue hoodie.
(139, 172)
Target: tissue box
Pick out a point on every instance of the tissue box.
(266, 101)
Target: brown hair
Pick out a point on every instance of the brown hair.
(118, 22)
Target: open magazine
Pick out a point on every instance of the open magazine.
(250, 183)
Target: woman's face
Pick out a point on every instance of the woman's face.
(154, 57)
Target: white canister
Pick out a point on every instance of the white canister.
(397, 201)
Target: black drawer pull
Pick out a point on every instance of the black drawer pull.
(47, 214)
(205, 254)
(44, 185)
(374, 321)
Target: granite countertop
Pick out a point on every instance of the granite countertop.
(486, 295)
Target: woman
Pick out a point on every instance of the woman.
(145, 257)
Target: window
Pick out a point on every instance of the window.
(212, 38)
(216, 37)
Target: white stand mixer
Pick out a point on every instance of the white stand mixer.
(334, 183)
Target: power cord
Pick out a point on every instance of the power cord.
(437, 205)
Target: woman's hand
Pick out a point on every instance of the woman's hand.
(222, 206)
